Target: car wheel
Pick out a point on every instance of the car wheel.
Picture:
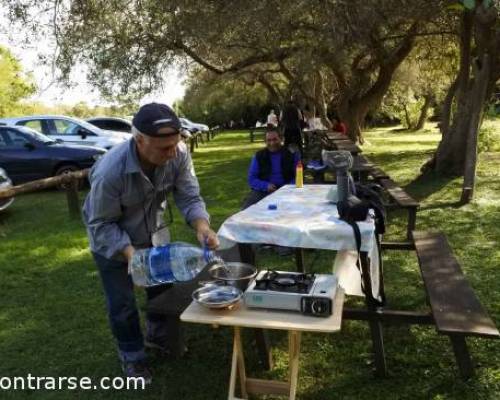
(66, 169)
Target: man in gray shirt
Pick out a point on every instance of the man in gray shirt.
(124, 212)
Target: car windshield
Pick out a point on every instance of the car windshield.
(87, 125)
(36, 135)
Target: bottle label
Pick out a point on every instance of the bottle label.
(160, 264)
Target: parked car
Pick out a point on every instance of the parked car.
(5, 183)
(27, 155)
(121, 124)
(70, 130)
(193, 126)
(111, 124)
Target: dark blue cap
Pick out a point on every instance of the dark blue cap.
(272, 207)
(153, 116)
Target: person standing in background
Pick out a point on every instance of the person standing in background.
(291, 125)
(272, 119)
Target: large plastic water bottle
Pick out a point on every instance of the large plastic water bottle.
(173, 262)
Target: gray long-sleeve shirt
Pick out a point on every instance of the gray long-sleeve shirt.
(122, 205)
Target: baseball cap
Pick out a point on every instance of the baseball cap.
(153, 116)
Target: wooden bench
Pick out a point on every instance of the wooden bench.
(361, 168)
(347, 145)
(254, 130)
(456, 310)
(377, 174)
(402, 200)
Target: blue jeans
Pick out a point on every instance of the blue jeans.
(122, 311)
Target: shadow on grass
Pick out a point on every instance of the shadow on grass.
(425, 185)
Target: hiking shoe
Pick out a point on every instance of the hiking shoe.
(137, 369)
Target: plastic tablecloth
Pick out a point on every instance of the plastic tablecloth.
(304, 218)
(295, 217)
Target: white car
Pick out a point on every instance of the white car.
(70, 130)
(193, 126)
(5, 183)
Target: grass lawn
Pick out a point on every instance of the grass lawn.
(53, 322)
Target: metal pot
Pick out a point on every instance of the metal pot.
(236, 274)
(217, 297)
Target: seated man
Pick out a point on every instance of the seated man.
(270, 168)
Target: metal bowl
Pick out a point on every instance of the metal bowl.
(217, 296)
(236, 274)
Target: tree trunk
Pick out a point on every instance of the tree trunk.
(457, 151)
(356, 102)
(450, 155)
(482, 75)
(407, 117)
(444, 124)
(423, 112)
(350, 112)
(319, 95)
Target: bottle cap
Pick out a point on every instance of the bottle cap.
(272, 207)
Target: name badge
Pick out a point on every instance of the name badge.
(161, 237)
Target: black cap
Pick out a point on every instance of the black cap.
(153, 116)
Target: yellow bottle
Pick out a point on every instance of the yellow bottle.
(299, 175)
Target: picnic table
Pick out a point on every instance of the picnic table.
(304, 218)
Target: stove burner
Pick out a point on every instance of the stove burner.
(285, 282)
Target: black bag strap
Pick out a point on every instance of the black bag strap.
(357, 236)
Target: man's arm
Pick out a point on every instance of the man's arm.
(102, 211)
(188, 200)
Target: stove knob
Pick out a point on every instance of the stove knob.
(318, 307)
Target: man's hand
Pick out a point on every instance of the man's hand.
(205, 235)
(271, 187)
(128, 252)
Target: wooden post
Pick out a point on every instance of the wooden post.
(261, 336)
(462, 356)
(42, 184)
(72, 197)
(412, 220)
(375, 326)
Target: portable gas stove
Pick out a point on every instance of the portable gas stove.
(310, 294)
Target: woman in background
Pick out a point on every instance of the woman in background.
(291, 119)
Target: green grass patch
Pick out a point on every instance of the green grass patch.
(53, 321)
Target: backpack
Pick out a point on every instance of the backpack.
(356, 208)
(371, 196)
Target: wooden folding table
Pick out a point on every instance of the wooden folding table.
(293, 322)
